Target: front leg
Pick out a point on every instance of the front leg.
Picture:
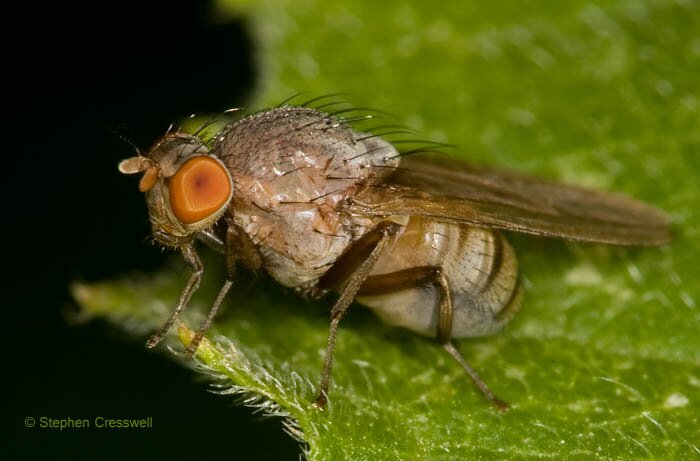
(348, 274)
(210, 239)
(192, 260)
(223, 291)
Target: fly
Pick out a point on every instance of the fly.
(299, 194)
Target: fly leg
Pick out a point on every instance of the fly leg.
(192, 260)
(490, 396)
(223, 291)
(210, 239)
(416, 276)
(349, 273)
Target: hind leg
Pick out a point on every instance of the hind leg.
(416, 276)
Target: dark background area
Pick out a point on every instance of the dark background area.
(76, 70)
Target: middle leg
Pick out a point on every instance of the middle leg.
(347, 276)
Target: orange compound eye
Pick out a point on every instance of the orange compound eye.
(199, 189)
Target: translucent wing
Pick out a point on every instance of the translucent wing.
(486, 197)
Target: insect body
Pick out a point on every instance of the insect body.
(320, 207)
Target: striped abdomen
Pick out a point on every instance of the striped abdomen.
(481, 269)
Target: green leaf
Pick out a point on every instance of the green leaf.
(604, 359)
